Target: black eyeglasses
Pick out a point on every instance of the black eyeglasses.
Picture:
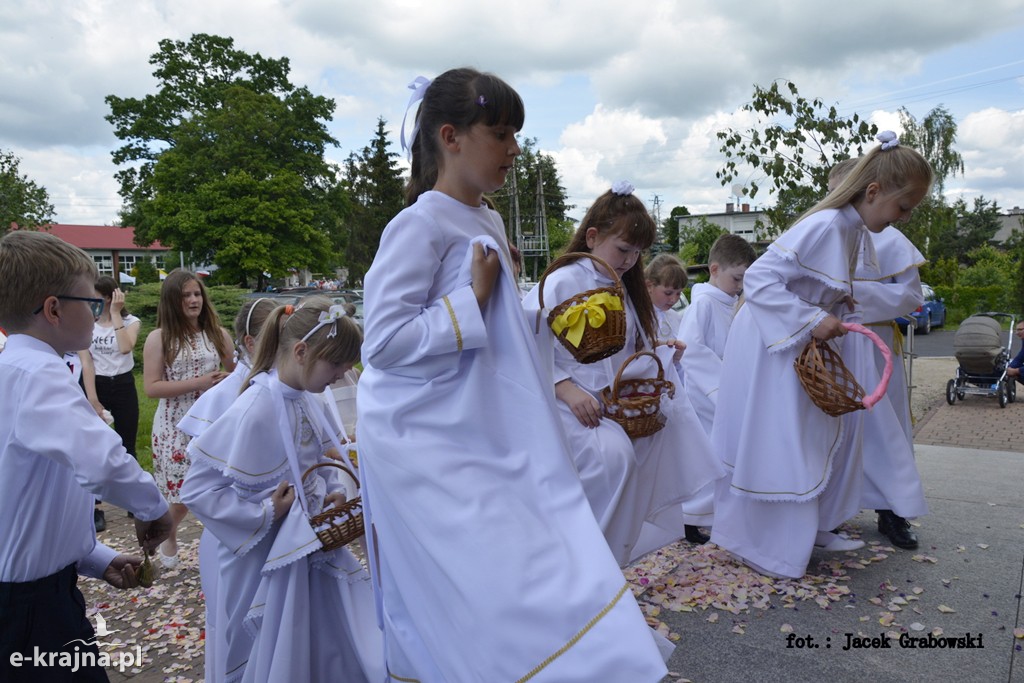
(96, 305)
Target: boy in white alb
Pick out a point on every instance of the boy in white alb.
(707, 320)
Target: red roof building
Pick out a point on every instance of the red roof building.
(112, 247)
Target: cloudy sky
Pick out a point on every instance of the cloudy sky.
(633, 90)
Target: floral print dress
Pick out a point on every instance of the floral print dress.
(197, 357)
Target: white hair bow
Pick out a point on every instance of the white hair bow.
(622, 188)
(888, 139)
(328, 317)
(419, 89)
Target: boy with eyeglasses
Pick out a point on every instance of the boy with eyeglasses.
(56, 455)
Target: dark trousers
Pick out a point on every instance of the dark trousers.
(118, 395)
(46, 615)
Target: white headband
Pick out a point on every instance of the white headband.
(252, 308)
(328, 317)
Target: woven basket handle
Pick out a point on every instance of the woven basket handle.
(566, 259)
(618, 375)
(331, 464)
(883, 383)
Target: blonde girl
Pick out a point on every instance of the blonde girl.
(289, 610)
(792, 475)
(203, 413)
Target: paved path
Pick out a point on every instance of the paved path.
(732, 625)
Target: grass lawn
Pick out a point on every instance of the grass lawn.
(144, 440)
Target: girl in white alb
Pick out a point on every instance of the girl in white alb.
(291, 610)
(489, 564)
(635, 487)
(793, 473)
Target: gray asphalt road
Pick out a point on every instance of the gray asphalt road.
(938, 343)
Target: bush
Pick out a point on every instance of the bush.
(964, 301)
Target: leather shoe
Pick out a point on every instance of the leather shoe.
(695, 535)
(99, 519)
(896, 529)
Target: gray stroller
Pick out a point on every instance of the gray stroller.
(982, 360)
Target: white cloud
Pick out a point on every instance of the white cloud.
(650, 83)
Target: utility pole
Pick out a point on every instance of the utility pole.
(531, 238)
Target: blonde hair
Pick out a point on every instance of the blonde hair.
(33, 266)
(170, 317)
(288, 325)
(900, 170)
(667, 270)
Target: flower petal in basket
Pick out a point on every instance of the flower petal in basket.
(636, 403)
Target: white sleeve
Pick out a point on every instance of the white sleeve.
(81, 440)
(405, 326)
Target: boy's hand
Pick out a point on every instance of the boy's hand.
(484, 271)
(152, 534)
(282, 499)
(122, 572)
(584, 406)
(829, 328)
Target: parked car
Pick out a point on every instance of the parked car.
(932, 313)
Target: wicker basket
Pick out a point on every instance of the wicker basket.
(345, 523)
(830, 384)
(636, 403)
(608, 337)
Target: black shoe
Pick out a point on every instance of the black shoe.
(695, 535)
(99, 519)
(896, 529)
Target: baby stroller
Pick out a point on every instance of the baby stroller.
(982, 360)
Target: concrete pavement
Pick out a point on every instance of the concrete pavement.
(965, 581)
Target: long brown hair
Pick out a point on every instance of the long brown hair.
(626, 216)
(460, 97)
(170, 317)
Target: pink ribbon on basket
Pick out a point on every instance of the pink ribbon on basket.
(883, 384)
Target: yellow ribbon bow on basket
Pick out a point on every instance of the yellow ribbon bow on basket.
(578, 316)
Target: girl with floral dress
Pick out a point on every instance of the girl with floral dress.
(180, 360)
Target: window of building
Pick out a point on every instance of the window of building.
(104, 264)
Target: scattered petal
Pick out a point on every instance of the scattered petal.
(786, 628)
(917, 626)
(946, 610)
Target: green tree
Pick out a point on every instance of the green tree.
(791, 148)
(933, 137)
(696, 238)
(22, 201)
(670, 227)
(226, 160)
(374, 188)
(971, 229)
(537, 185)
